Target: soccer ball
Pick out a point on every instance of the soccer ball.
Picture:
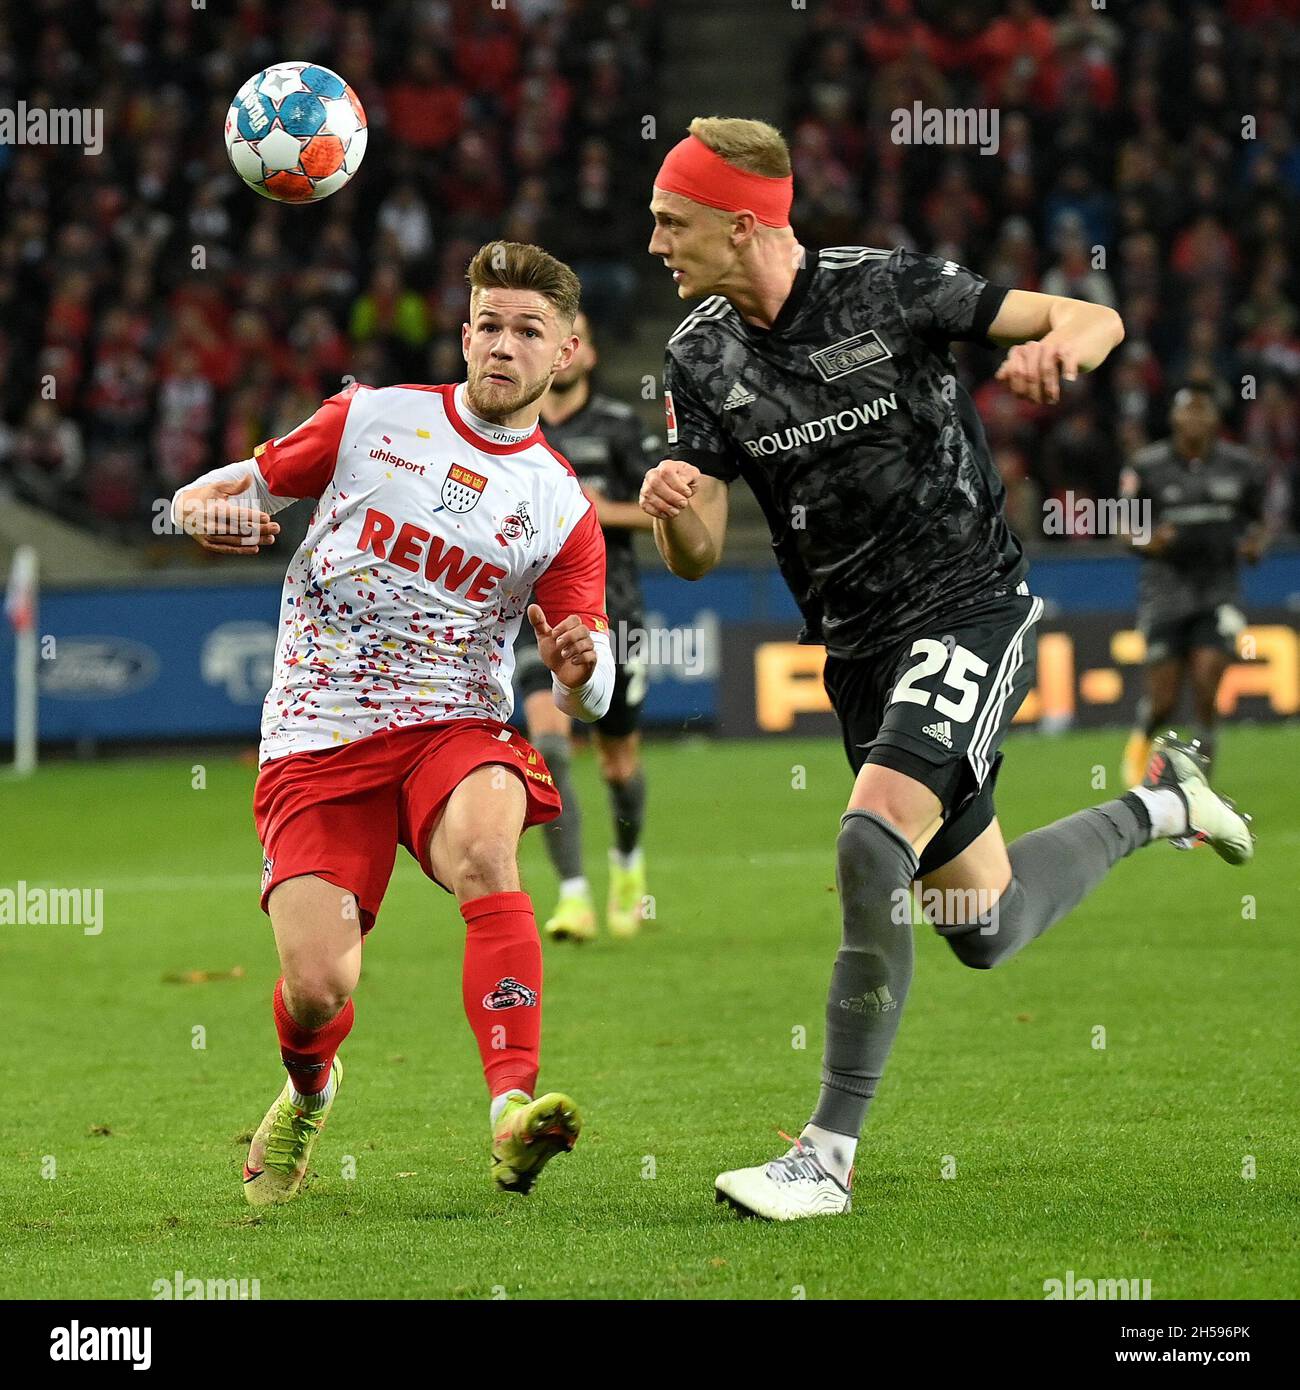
(296, 132)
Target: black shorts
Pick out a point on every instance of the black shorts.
(1170, 639)
(624, 714)
(938, 707)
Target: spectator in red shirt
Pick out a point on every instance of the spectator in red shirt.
(1020, 40)
(426, 109)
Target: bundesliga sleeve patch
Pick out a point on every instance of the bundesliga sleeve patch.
(670, 417)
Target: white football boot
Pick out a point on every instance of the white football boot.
(1211, 819)
(786, 1189)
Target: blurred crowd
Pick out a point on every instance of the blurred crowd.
(1146, 157)
(158, 318)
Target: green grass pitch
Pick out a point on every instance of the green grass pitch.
(122, 1141)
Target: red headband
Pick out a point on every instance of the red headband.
(696, 172)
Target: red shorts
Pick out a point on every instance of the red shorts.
(340, 813)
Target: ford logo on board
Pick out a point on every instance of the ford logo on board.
(97, 668)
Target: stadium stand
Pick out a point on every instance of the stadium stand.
(1145, 164)
(156, 320)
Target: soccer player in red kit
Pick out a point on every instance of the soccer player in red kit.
(439, 509)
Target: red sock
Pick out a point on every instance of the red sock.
(502, 987)
(309, 1052)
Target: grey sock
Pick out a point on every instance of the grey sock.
(873, 969)
(1148, 721)
(627, 800)
(563, 835)
(1052, 870)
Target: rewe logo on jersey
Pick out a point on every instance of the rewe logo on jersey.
(444, 564)
(940, 731)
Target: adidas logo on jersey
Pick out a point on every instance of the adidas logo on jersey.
(737, 397)
(942, 732)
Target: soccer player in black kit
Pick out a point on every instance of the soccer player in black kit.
(824, 380)
(610, 451)
(1206, 500)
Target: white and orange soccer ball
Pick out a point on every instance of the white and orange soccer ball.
(296, 132)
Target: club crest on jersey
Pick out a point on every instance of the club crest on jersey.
(517, 524)
(850, 355)
(462, 488)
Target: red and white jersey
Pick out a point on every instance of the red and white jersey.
(402, 603)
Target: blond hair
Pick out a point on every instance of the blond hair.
(752, 146)
(516, 265)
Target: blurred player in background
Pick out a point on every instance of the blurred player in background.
(825, 381)
(441, 508)
(1206, 498)
(609, 450)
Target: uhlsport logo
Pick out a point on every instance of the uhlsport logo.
(387, 456)
(940, 731)
(510, 994)
(851, 355)
(462, 488)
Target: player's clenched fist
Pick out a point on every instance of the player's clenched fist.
(1034, 370)
(566, 648)
(224, 526)
(668, 488)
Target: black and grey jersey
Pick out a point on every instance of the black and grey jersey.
(610, 449)
(1211, 503)
(865, 452)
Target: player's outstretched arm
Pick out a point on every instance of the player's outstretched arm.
(689, 509)
(228, 510)
(1055, 337)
